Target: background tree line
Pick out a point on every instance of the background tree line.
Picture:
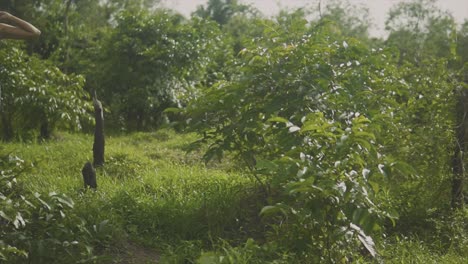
(343, 132)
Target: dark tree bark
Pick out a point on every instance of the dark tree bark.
(89, 176)
(67, 43)
(7, 133)
(461, 144)
(44, 130)
(99, 142)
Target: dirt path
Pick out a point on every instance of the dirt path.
(136, 254)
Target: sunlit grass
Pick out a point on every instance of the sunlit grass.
(154, 195)
(149, 190)
(413, 250)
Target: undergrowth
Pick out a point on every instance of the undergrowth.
(155, 203)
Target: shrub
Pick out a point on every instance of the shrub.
(39, 227)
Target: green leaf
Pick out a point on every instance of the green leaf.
(46, 205)
(174, 110)
(273, 209)
(364, 135)
(375, 186)
(366, 241)
(310, 127)
(404, 168)
(65, 200)
(267, 165)
(19, 221)
(209, 258)
(278, 119)
(293, 129)
(4, 216)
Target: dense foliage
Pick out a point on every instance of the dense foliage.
(354, 144)
(173, 55)
(36, 223)
(36, 97)
(321, 119)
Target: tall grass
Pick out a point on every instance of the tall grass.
(149, 191)
(154, 203)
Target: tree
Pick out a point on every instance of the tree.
(315, 109)
(462, 45)
(221, 11)
(420, 30)
(422, 33)
(299, 134)
(36, 97)
(149, 61)
(347, 19)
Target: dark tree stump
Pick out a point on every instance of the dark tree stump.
(44, 130)
(98, 146)
(89, 176)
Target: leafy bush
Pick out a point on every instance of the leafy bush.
(36, 97)
(450, 230)
(330, 205)
(39, 227)
(318, 119)
(152, 61)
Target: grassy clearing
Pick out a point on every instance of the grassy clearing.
(157, 204)
(151, 194)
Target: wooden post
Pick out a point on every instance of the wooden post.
(98, 146)
(89, 176)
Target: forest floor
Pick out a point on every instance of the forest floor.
(157, 204)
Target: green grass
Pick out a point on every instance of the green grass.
(412, 250)
(150, 192)
(155, 202)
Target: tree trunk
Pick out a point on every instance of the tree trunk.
(7, 133)
(99, 142)
(67, 42)
(457, 180)
(140, 121)
(460, 147)
(44, 130)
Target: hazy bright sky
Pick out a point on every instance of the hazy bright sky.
(378, 8)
